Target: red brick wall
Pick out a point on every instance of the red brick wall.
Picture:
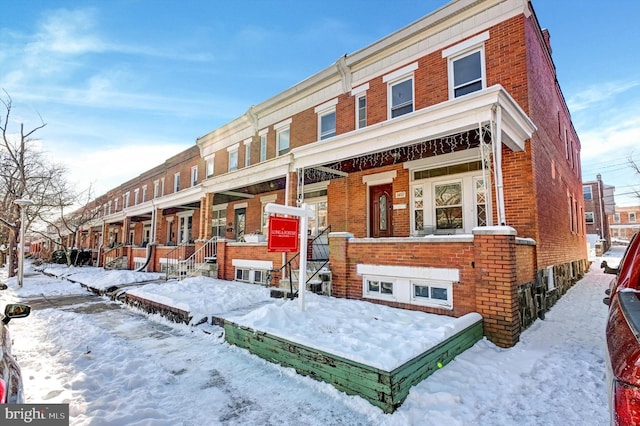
(525, 263)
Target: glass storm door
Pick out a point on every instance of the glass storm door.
(380, 209)
(241, 219)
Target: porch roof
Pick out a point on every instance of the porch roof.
(446, 118)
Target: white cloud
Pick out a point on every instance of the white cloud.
(592, 96)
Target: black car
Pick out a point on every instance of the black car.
(10, 375)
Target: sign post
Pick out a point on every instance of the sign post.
(282, 237)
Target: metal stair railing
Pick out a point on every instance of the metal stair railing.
(205, 255)
(318, 253)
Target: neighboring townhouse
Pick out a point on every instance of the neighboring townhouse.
(624, 222)
(598, 205)
(440, 163)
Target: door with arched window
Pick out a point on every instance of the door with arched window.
(380, 211)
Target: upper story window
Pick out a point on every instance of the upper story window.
(136, 197)
(400, 90)
(588, 195)
(115, 205)
(247, 152)
(209, 165)
(176, 182)
(588, 217)
(263, 145)
(466, 66)
(632, 217)
(156, 188)
(233, 157)
(144, 193)
(194, 175)
(283, 134)
(125, 201)
(326, 119)
(616, 218)
(360, 94)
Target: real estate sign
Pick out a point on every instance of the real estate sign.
(283, 234)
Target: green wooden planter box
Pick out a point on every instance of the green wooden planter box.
(384, 389)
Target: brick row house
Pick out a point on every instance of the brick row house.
(624, 222)
(440, 164)
(599, 203)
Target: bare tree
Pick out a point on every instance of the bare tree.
(24, 173)
(63, 223)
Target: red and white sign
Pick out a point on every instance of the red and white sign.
(283, 234)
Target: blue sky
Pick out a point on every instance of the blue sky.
(142, 79)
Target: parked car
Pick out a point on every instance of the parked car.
(623, 344)
(11, 391)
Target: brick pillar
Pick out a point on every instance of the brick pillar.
(339, 261)
(221, 251)
(293, 189)
(496, 292)
(206, 215)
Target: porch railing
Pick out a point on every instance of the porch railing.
(201, 260)
(175, 258)
(113, 255)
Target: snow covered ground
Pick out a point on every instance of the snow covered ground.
(111, 370)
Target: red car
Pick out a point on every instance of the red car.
(623, 344)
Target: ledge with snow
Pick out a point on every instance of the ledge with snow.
(360, 348)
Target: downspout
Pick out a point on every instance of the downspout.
(600, 203)
(497, 146)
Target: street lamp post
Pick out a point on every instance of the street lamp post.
(23, 204)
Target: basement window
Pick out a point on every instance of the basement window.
(252, 276)
(432, 293)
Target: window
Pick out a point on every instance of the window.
(126, 197)
(233, 157)
(156, 189)
(263, 147)
(466, 65)
(432, 293)
(144, 193)
(401, 97)
(194, 175)
(616, 218)
(589, 218)
(586, 190)
(467, 73)
(209, 166)
(136, 196)
(219, 222)
(361, 111)
(632, 217)
(176, 182)
(247, 153)
(400, 90)
(255, 276)
(448, 205)
(115, 205)
(242, 275)
(283, 141)
(378, 287)
(449, 199)
(327, 125)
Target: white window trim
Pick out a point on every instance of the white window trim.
(210, 160)
(176, 182)
(404, 278)
(321, 115)
(233, 149)
(468, 44)
(247, 152)
(194, 175)
(357, 93)
(466, 48)
(263, 144)
(279, 131)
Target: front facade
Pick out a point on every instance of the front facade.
(625, 222)
(598, 205)
(442, 159)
